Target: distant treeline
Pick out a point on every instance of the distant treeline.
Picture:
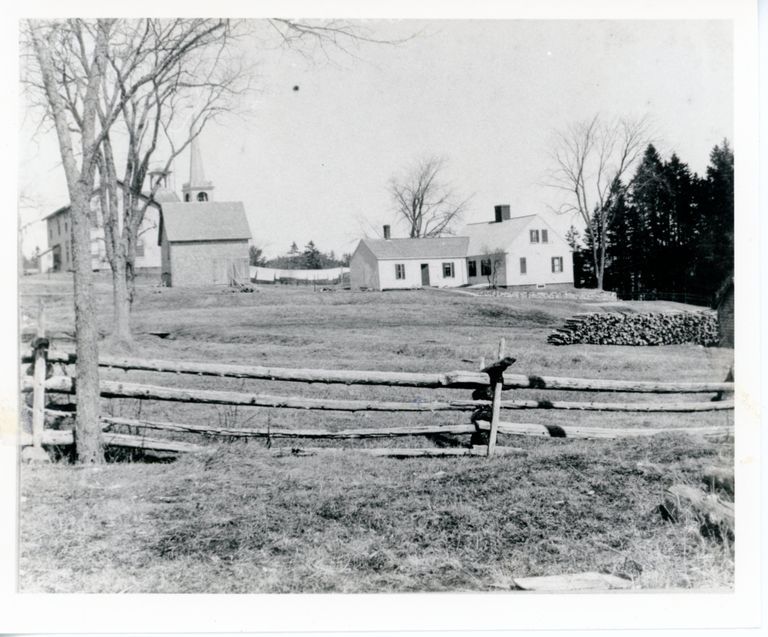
(670, 233)
(311, 258)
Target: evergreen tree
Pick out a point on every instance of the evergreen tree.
(649, 223)
(714, 245)
(683, 194)
(312, 257)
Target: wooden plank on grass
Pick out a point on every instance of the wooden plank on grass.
(571, 583)
(577, 431)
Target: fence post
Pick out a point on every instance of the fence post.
(497, 383)
(40, 349)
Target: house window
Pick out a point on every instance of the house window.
(140, 248)
(523, 265)
(186, 196)
(448, 270)
(485, 267)
(202, 196)
(399, 270)
(58, 225)
(534, 236)
(50, 233)
(472, 265)
(557, 264)
(544, 236)
(65, 225)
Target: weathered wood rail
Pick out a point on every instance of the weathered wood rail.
(449, 380)
(118, 389)
(487, 402)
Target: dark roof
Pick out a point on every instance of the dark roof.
(205, 221)
(431, 248)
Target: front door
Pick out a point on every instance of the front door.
(425, 274)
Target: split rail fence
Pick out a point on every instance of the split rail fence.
(486, 404)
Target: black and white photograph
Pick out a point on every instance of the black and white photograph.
(383, 305)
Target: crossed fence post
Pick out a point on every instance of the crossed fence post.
(495, 373)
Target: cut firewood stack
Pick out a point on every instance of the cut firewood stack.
(652, 328)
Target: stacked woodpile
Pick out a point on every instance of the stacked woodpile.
(652, 328)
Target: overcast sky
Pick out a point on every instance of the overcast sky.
(485, 95)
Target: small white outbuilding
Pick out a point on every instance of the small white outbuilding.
(392, 264)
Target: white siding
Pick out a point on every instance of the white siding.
(501, 264)
(413, 273)
(538, 257)
(363, 269)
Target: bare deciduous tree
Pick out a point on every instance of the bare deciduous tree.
(168, 78)
(592, 158)
(79, 168)
(491, 265)
(428, 207)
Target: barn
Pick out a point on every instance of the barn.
(391, 264)
(204, 243)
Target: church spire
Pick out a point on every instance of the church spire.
(197, 189)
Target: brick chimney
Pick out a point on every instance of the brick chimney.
(501, 213)
(386, 232)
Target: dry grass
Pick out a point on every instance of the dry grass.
(242, 520)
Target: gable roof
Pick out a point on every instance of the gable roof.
(161, 196)
(429, 248)
(204, 221)
(494, 235)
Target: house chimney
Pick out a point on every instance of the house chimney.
(501, 213)
(386, 232)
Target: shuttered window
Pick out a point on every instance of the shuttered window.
(534, 236)
(523, 265)
(399, 270)
(557, 264)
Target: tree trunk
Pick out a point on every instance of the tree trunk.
(87, 425)
(121, 327)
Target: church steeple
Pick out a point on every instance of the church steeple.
(197, 189)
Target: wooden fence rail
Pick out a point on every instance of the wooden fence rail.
(485, 406)
(118, 389)
(449, 380)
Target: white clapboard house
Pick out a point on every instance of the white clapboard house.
(516, 252)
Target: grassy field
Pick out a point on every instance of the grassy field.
(242, 520)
